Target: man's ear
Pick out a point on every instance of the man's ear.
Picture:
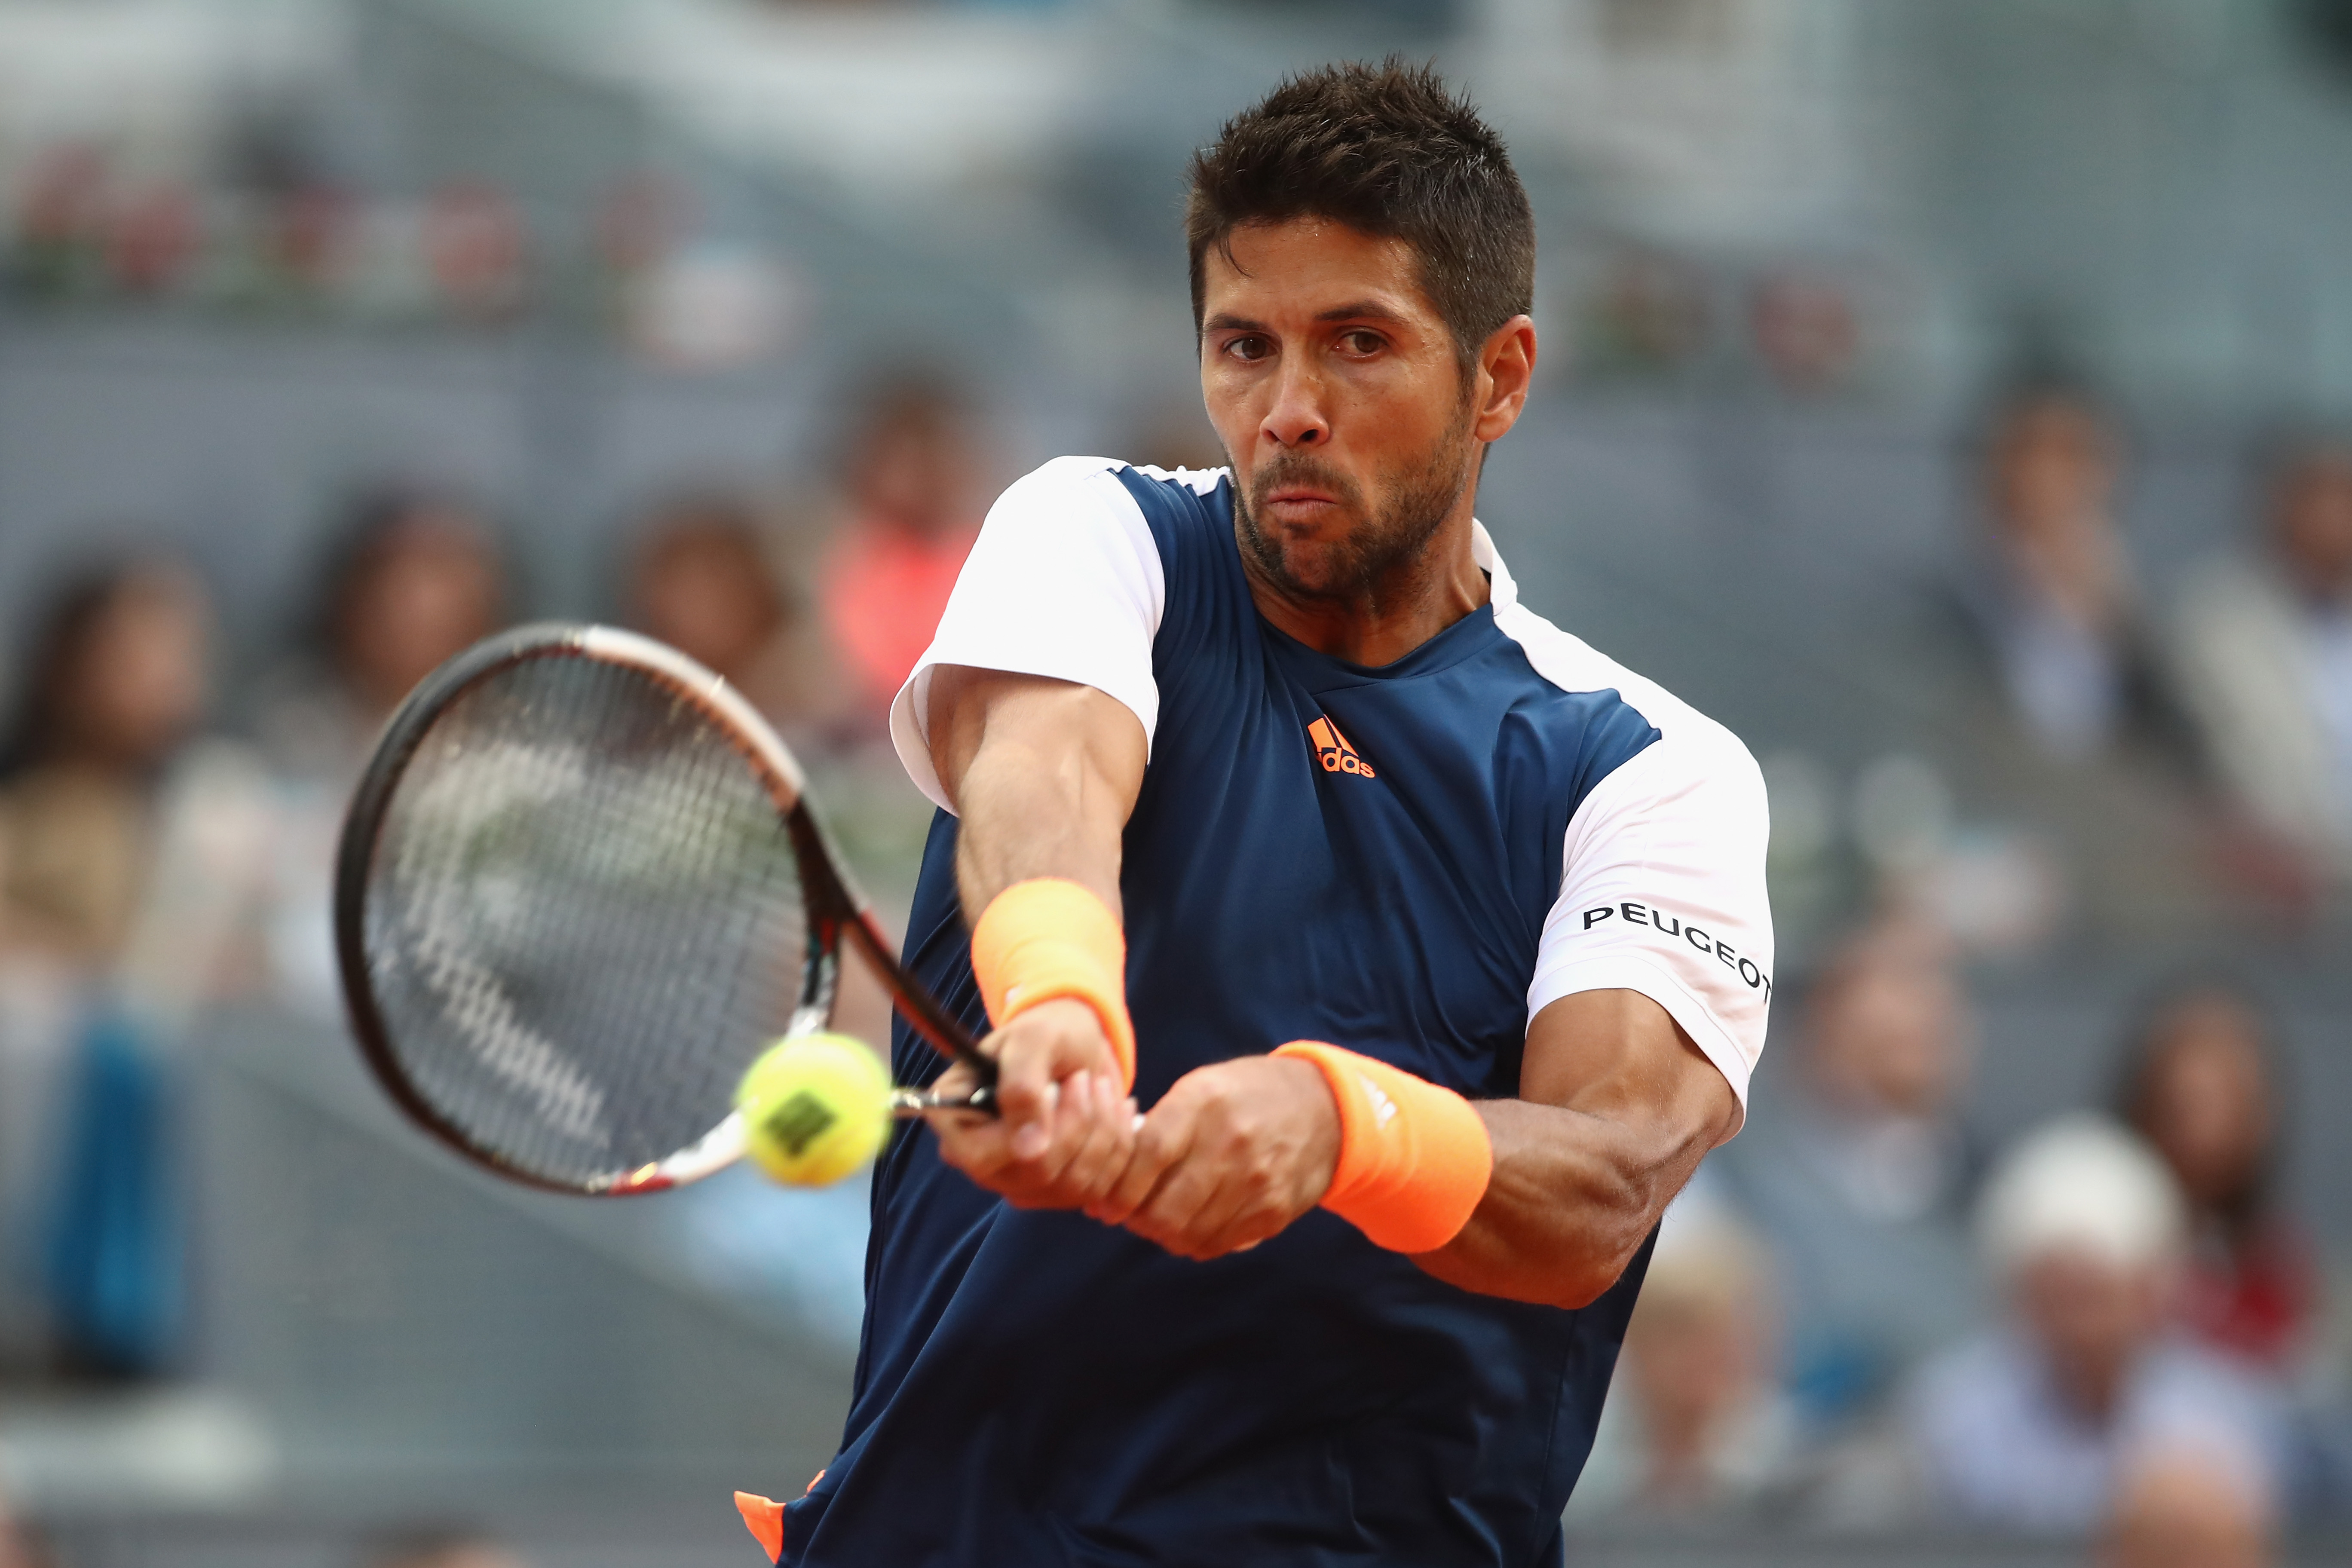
(1507, 368)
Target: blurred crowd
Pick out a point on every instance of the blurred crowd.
(1860, 1315)
(168, 830)
(2185, 756)
(1857, 1317)
(2114, 1324)
(88, 226)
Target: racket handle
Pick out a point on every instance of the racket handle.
(906, 1102)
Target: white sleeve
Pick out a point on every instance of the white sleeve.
(1663, 894)
(1064, 581)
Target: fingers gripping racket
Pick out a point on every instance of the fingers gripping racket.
(580, 890)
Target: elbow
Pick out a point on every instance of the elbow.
(1591, 1278)
(1611, 1247)
(1584, 1290)
(1557, 1245)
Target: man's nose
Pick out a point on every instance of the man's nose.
(1297, 418)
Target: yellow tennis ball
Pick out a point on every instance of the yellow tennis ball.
(815, 1108)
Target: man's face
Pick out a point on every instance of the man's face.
(1334, 384)
(2091, 1318)
(143, 684)
(433, 590)
(1891, 1038)
(2207, 1106)
(2053, 466)
(2314, 512)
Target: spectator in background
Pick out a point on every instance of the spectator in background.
(911, 499)
(2029, 1427)
(2198, 1083)
(130, 867)
(2053, 600)
(2263, 643)
(1693, 1424)
(413, 578)
(116, 683)
(702, 580)
(2063, 730)
(1856, 1172)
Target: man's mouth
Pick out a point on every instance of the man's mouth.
(1296, 503)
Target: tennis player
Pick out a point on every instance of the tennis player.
(1433, 945)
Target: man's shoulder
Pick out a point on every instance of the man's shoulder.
(1094, 476)
(1591, 689)
(1168, 505)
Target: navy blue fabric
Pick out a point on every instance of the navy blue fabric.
(1040, 1389)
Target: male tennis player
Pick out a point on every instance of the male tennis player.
(1433, 944)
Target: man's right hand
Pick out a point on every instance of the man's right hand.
(1066, 1129)
(1042, 775)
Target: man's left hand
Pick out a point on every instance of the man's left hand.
(1231, 1154)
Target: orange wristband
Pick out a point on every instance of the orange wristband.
(1414, 1159)
(1048, 938)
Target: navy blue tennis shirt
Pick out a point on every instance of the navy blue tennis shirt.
(1410, 861)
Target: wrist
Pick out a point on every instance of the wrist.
(1413, 1159)
(1321, 1131)
(1072, 1019)
(1051, 939)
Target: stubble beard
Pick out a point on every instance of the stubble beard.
(1376, 559)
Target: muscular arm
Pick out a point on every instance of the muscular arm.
(1042, 775)
(1616, 1108)
(1616, 1105)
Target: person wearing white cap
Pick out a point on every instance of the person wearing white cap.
(2029, 1427)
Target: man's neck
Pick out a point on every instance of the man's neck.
(1412, 604)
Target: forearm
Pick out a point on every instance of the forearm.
(1042, 775)
(1027, 813)
(1570, 1201)
(1616, 1108)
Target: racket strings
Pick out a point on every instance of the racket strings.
(585, 919)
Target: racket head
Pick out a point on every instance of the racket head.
(580, 889)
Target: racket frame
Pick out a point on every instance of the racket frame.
(838, 913)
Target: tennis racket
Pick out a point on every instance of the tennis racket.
(580, 889)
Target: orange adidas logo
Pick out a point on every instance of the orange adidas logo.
(1331, 749)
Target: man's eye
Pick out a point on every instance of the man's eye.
(1247, 348)
(1360, 343)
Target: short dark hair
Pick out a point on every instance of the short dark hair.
(1390, 151)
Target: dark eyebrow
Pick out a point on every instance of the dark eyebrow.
(1354, 310)
(1361, 310)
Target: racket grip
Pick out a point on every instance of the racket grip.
(910, 1102)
